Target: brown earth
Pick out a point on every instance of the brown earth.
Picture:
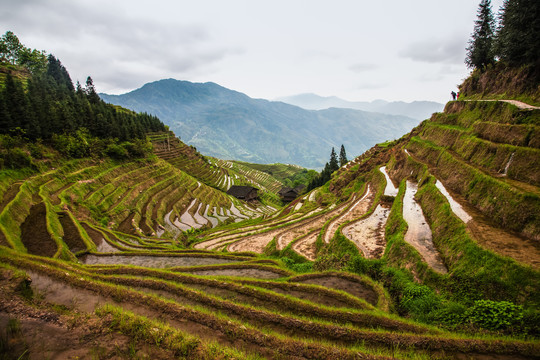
(95, 235)
(352, 287)
(306, 247)
(72, 238)
(34, 234)
(126, 226)
(10, 194)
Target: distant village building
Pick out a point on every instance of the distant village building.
(288, 194)
(246, 193)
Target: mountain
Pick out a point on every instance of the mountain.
(417, 109)
(230, 125)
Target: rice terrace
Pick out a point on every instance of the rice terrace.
(118, 240)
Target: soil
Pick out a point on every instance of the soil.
(72, 238)
(3, 240)
(10, 194)
(352, 287)
(34, 234)
(98, 239)
(55, 200)
(126, 226)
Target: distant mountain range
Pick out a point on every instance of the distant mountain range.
(230, 125)
(420, 110)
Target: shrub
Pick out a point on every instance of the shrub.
(116, 151)
(495, 315)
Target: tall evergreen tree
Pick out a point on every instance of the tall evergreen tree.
(519, 32)
(480, 50)
(342, 156)
(333, 164)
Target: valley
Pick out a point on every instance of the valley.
(118, 240)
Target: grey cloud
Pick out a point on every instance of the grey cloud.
(362, 67)
(450, 50)
(100, 42)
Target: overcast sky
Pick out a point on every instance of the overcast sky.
(358, 50)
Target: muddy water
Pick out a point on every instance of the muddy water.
(454, 205)
(368, 233)
(251, 273)
(187, 219)
(390, 189)
(358, 209)
(198, 217)
(152, 261)
(255, 243)
(419, 233)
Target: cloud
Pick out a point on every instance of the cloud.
(362, 67)
(93, 39)
(436, 51)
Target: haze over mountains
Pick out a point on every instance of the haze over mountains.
(417, 109)
(230, 125)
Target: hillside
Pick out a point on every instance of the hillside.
(425, 247)
(419, 110)
(230, 125)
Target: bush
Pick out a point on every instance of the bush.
(116, 151)
(495, 315)
(16, 158)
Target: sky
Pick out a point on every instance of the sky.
(357, 50)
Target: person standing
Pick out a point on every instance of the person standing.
(453, 95)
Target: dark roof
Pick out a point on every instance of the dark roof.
(284, 190)
(240, 191)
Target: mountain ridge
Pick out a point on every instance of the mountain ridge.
(416, 109)
(238, 127)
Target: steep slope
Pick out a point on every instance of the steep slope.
(230, 125)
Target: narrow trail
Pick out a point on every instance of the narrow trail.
(519, 104)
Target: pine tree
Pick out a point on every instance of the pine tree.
(518, 36)
(342, 156)
(333, 164)
(480, 50)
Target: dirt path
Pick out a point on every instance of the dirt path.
(418, 232)
(368, 233)
(519, 104)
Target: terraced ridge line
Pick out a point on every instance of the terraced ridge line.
(361, 287)
(438, 343)
(266, 299)
(220, 238)
(263, 238)
(177, 315)
(459, 180)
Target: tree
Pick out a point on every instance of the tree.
(10, 47)
(517, 37)
(333, 164)
(480, 50)
(342, 156)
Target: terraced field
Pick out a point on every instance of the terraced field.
(390, 259)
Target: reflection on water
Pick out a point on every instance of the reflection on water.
(153, 261)
(419, 233)
(456, 208)
(390, 189)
